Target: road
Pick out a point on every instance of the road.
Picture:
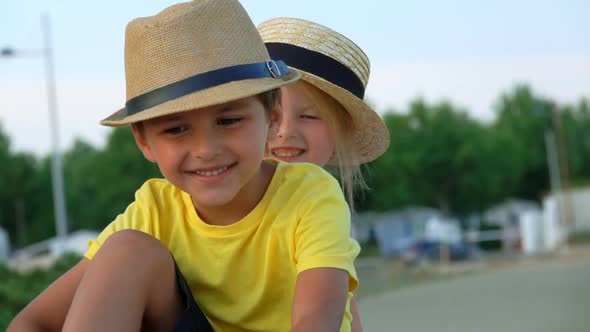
(541, 297)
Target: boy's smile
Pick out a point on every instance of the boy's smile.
(214, 154)
(213, 174)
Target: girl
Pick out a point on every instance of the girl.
(324, 119)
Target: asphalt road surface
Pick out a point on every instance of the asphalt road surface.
(542, 297)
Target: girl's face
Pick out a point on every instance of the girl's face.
(302, 136)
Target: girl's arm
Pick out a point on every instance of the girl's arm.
(47, 312)
(320, 300)
(357, 325)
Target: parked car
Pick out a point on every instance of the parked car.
(431, 250)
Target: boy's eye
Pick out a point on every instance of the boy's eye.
(229, 121)
(175, 130)
(310, 117)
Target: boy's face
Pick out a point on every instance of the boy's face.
(303, 136)
(213, 153)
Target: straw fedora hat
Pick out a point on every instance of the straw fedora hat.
(193, 55)
(335, 65)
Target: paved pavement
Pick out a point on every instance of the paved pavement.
(550, 296)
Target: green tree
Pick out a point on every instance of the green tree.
(82, 186)
(523, 119)
(118, 171)
(99, 184)
(17, 188)
(576, 127)
(39, 211)
(441, 157)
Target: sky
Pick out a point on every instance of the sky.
(465, 52)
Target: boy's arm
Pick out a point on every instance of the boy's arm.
(320, 300)
(47, 312)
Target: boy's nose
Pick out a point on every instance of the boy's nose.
(205, 146)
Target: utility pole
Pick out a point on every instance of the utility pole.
(57, 168)
(59, 203)
(567, 222)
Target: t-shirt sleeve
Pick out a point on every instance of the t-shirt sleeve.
(323, 233)
(136, 217)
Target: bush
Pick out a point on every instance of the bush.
(17, 290)
(579, 237)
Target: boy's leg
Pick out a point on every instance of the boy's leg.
(192, 319)
(130, 285)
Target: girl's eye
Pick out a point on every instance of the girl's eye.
(175, 130)
(229, 121)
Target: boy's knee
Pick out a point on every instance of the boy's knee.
(136, 245)
(152, 267)
(130, 238)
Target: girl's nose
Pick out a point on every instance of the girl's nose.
(286, 127)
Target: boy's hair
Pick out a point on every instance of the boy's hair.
(267, 98)
(341, 126)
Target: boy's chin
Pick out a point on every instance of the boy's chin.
(212, 200)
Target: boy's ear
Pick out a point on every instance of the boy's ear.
(142, 143)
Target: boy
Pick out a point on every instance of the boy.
(263, 245)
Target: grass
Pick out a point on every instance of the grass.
(17, 290)
(369, 250)
(579, 237)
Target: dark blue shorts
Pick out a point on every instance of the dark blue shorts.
(192, 319)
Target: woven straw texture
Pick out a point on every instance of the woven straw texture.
(187, 39)
(370, 135)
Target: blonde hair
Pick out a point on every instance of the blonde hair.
(344, 161)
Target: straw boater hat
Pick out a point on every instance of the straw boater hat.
(335, 65)
(193, 55)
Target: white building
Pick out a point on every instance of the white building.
(43, 254)
(565, 213)
(522, 225)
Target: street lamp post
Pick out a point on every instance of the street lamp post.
(59, 203)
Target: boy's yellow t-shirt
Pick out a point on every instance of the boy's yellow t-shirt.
(243, 275)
